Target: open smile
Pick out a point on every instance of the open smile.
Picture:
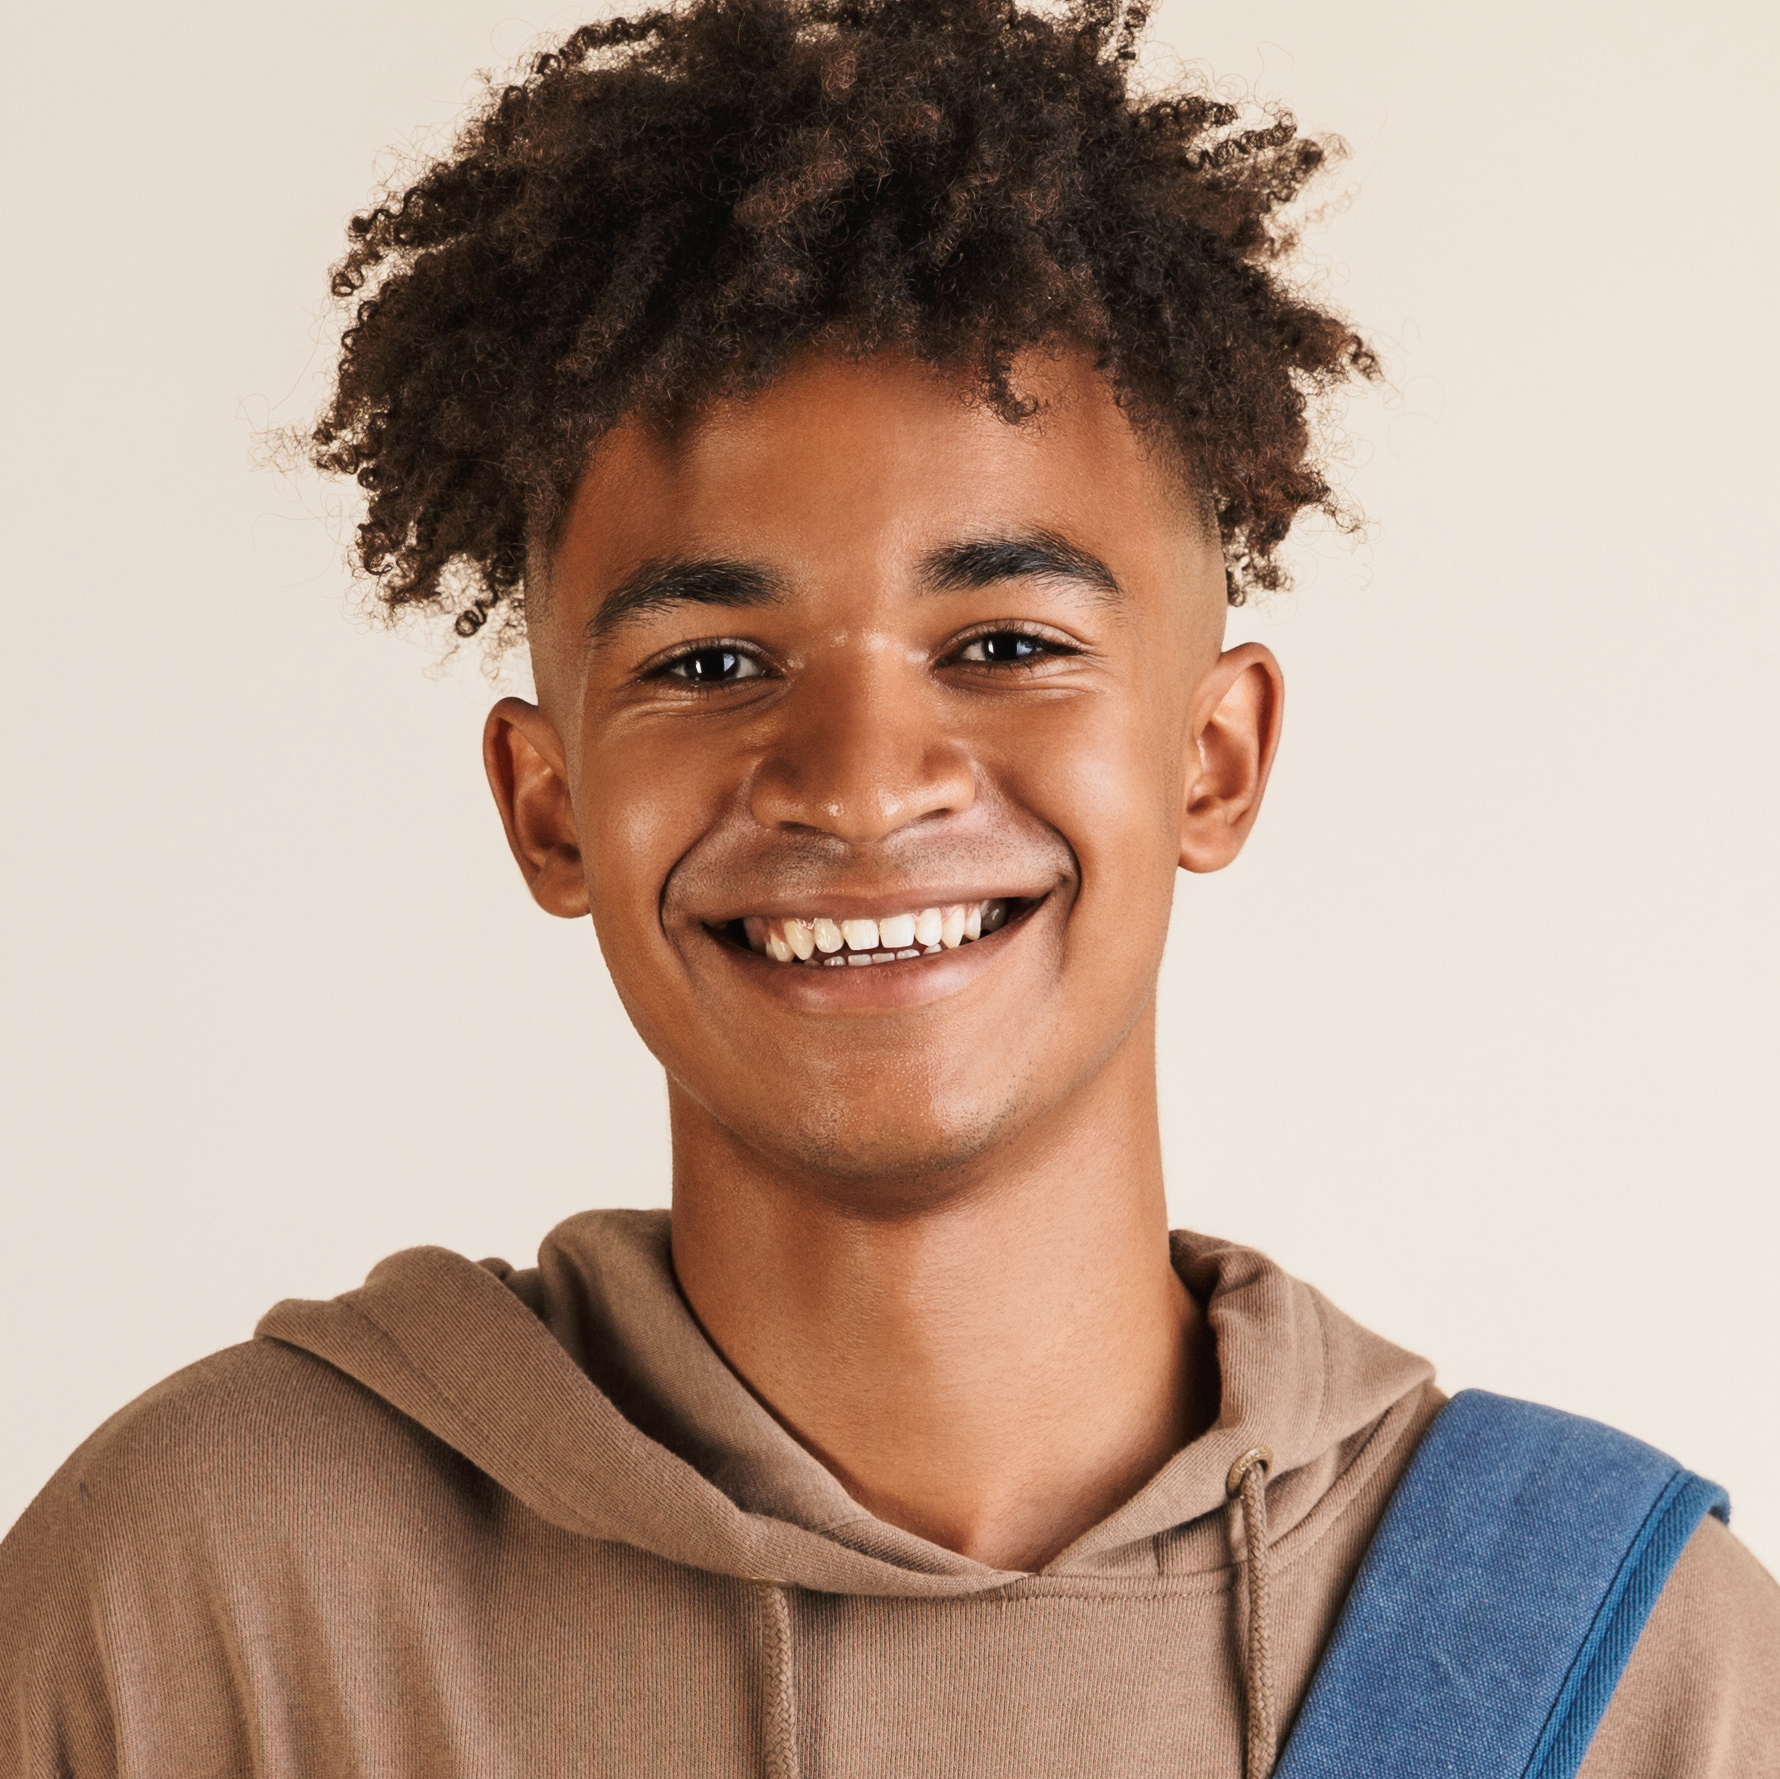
(818, 941)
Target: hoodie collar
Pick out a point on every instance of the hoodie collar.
(586, 1388)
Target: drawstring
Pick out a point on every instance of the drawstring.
(1248, 1485)
(779, 1682)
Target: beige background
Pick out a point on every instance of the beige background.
(1480, 1036)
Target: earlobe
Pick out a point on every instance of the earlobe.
(528, 775)
(1231, 743)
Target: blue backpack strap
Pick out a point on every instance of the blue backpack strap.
(1497, 1607)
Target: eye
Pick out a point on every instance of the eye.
(713, 664)
(1005, 648)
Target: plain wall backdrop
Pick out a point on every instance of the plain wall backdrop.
(1479, 1035)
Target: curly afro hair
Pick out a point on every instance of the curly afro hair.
(671, 206)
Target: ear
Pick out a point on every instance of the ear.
(1231, 744)
(530, 781)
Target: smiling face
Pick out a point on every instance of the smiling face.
(855, 670)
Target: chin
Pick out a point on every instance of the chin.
(884, 1160)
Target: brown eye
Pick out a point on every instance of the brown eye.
(717, 664)
(1005, 647)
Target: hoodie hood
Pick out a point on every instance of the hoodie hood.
(586, 1389)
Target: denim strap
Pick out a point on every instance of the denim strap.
(1499, 1602)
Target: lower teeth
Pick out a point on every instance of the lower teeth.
(872, 957)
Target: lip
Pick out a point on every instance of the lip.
(914, 982)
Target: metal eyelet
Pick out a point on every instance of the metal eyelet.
(1256, 1454)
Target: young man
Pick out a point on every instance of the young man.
(869, 410)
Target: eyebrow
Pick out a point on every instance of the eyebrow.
(1030, 555)
(664, 582)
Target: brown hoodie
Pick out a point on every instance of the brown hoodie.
(472, 1521)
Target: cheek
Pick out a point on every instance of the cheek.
(641, 804)
(1106, 775)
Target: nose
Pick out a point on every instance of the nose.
(862, 750)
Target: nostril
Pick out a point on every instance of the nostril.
(860, 788)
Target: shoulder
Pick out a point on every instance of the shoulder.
(1700, 1697)
(219, 1501)
(243, 1416)
(259, 1436)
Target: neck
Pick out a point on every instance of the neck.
(995, 1369)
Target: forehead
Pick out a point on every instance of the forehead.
(851, 466)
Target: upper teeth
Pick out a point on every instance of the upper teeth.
(890, 938)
